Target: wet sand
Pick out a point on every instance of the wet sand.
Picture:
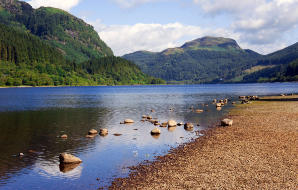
(260, 151)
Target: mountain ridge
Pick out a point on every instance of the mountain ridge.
(196, 61)
(212, 60)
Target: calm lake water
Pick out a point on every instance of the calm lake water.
(32, 119)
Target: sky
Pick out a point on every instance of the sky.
(154, 25)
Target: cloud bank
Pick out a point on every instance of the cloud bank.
(152, 37)
(261, 25)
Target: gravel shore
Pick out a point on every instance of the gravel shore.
(260, 151)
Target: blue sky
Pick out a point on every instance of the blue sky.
(132, 25)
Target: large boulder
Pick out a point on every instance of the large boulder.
(172, 123)
(226, 122)
(69, 159)
(127, 121)
(155, 131)
(92, 132)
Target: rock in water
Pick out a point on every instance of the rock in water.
(164, 124)
(199, 111)
(64, 136)
(226, 122)
(21, 154)
(188, 126)
(180, 123)
(218, 105)
(155, 131)
(127, 121)
(172, 123)
(69, 159)
(103, 132)
(92, 132)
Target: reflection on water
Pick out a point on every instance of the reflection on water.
(33, 119)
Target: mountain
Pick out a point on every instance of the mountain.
(75, 39)
(32, 53)
(217, 60)
(207, 59)
(279, 66)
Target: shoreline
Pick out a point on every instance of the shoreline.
(257, 152)
(143, 85)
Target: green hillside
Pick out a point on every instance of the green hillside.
(217, 60)
(75, 39)
(31, 53)
(207, 59)
(283, 66)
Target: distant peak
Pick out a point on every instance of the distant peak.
(209, 41)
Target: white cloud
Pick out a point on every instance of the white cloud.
(260, 25)
(152, 37)
(64, 4)
(257, 21)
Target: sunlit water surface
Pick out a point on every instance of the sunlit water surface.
(32, 119)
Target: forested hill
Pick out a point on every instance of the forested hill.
(25, 59)
(207, 59)
(50, 47)
(279, 66)
(75, 39)
(218, 60)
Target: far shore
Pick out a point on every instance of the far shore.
(169, 84)
(258, 152)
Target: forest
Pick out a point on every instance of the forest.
(27, 60)
(50, 47)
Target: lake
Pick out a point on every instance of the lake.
(33, 119)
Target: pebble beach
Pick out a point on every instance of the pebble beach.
(259, 151)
